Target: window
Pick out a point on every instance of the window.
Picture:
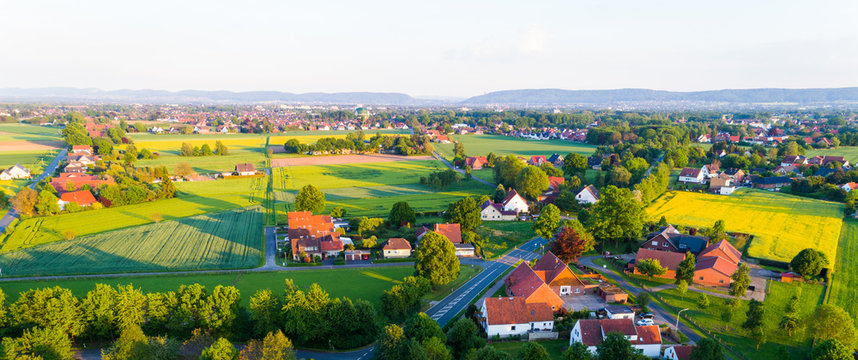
(721, 281)
(577, 290)
(655, 243)
(512, 327)
(701, 278)
(664, 244)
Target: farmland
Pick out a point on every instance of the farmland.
(193, 199)
(354, 175)
(845, 279)
(848, 152)
(482, 145)
(501, 236)
(782, 225)
(230, 239)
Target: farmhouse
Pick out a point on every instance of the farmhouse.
(556, 159)
(81, 149)
(647, 339)
(588, 195)
(82, 158)
(537, 160)
(83, 198)
(514, 202)
(849, 186)
(510, 316)
(793, 160)
(691, 176)
(15, 172)
(669, 239)
(714, 264)
(619, 312)
(245, 169)
(668, 259)
(312, 235)
(490, 211)
(557, 275)
(772, 183)
(476, 162)
(75, 167)
(396, 248)
(526, 283)
(75, 181)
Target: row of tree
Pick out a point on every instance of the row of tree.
(187, 149)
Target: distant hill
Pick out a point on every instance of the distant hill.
(745, 96)
(201, 96)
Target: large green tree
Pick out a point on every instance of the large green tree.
(531, 182)
(265, 311)
(831, 350)
(574, 164)
(401, 213)
(222, 349)
(38, 343)
(436, 259)
(547, 223)
(616, 346)
(463, 337)
(617, 216)
(507, 169)
(577, 351)
(275, 346)
(421, 327)
(310, 199)
(741, 281)
(754, 316)
(465, 212)
(707, 349)
(533, 351)
(809, 262)
(832, 322)
(685, 269)
(650, 267)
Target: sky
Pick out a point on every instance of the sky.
(428, 48)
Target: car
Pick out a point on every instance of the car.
(646, 315)
(645, 322)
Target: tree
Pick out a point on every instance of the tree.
(465, 212)
(681, 287)
(741, 281)
(490, 353)
(718, 232)
(531, 182)
(436, 259)
(46, 203)
(821, 325)
(463, 337)
(507, 170)
(310, 199)
(702, 301)
(577, 351)
(754, 315)
(206, 150)
(24, 202)
(616, 346)
(265, 311)
(617, 216)
(499, 194)
(38, 343)
(550, 170)
(222, 349)
(131, 337)
(187, 149)
(533, 351)
(275, 346)
(401, 214)
(643, 299)
(809, 262)
(759, 335)
(548, 222)
(338, 212)
(789, 322)
(393, 345)
(435, 349)
(220, 148)
(574, 164)
(620, 176)
(707, 349)
(421, 327)
(685, 269)
(52, 307)
(183, 169)
(650, 267)
(569, 245)
(831, 350)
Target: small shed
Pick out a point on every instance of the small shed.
(355, 255)
(789, 277)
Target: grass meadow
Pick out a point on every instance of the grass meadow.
(193, 198)
(354, 175)
(482, 145)
(25, 132)
(501, 236)
(845, 279)
(798, 345)
(782, 225)
(848, 152)
(229, 239)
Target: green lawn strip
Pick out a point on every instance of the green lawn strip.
(554, 348)
(502, 236)
(844, 280)
(466, 272)
(355, 283)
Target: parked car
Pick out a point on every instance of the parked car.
(646, 315)
(645, 322)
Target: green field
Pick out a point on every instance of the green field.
(782, 225)
(501, 236)
(482, 145)
(848, 152)
(734, 336)
(229, 239)
(194, 198)
(354, 175)
(554, 348)
(208, 164)
(845, 279)
(25, 132)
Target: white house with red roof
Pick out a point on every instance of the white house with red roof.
(678, 352)
(691, 175)
(514, 202)
(490, 211)
(588, 195)
(510, 316)
(591, 332)
(83, 198)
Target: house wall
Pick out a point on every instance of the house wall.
(507, 330)
(711, 277)
(396, 254)
(491, 214)
(652, 351)
(670, 354)
(660, 244)
(688, 179)
(585, 197)
(465, 253)
(516, 204)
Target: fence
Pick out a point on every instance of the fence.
(542, 335)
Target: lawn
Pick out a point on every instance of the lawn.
(848, 152)
(797, 346)
(845, 279)
(366, 284)
(229, 239)
(208, 164)
(502, 236)
(554, 348)
(482, 145)
(354, 175)
(172, 145)
(782, 224)
(194, 198)
(25, 132)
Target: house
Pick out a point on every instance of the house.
(75, 167)
(589, 332)
(554, 183)
(710, 171)
(619, 312)
(396, 248)
(15, 172)
(691, 176)
(737, 174)
(678, 352)
(490, 211)
(793, 160)
(526, 283)
(849, 186)
(719, 181)
(537, 160)
(76, 181)
(556, 159)
(588, 195)
(82, 158)
(716, 264)
(772, 183)
(785, 170)
(511, 316)
(312, 235)
(245, 169)
(668, 259)
(465, 250)
(667, 240)
(514, 202)
(355, 255)
(81, 149)
(558, 276)
(476, 162)
(611, 293)
(453, 232)
(83, 198)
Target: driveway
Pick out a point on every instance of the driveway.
(590, 302)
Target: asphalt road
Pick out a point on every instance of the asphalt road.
(12, 215)
(445, 310)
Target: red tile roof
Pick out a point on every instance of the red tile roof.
(723, 249)
(514, 310)
(554, 182)
(591, 332)
(647, 335)
(683, 352)
(396, 244)
(689, 172)
(453, 232)
(622, 326)
(668, 259)
(716, 263)
(82, 197)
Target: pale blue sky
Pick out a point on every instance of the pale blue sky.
(453, 48)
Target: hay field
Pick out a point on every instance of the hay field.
(482, 145)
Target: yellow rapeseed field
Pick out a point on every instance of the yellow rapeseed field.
(782, 225)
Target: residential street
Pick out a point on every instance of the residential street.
(460, 171)
(11, 215)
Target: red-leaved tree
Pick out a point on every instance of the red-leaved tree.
(568, 245)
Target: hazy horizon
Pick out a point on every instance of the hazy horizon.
(442, 49)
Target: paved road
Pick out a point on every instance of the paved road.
(49, 170)
(649, 170)
(460, 171)
(445, 310)
(270, 250)
(660, 312)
